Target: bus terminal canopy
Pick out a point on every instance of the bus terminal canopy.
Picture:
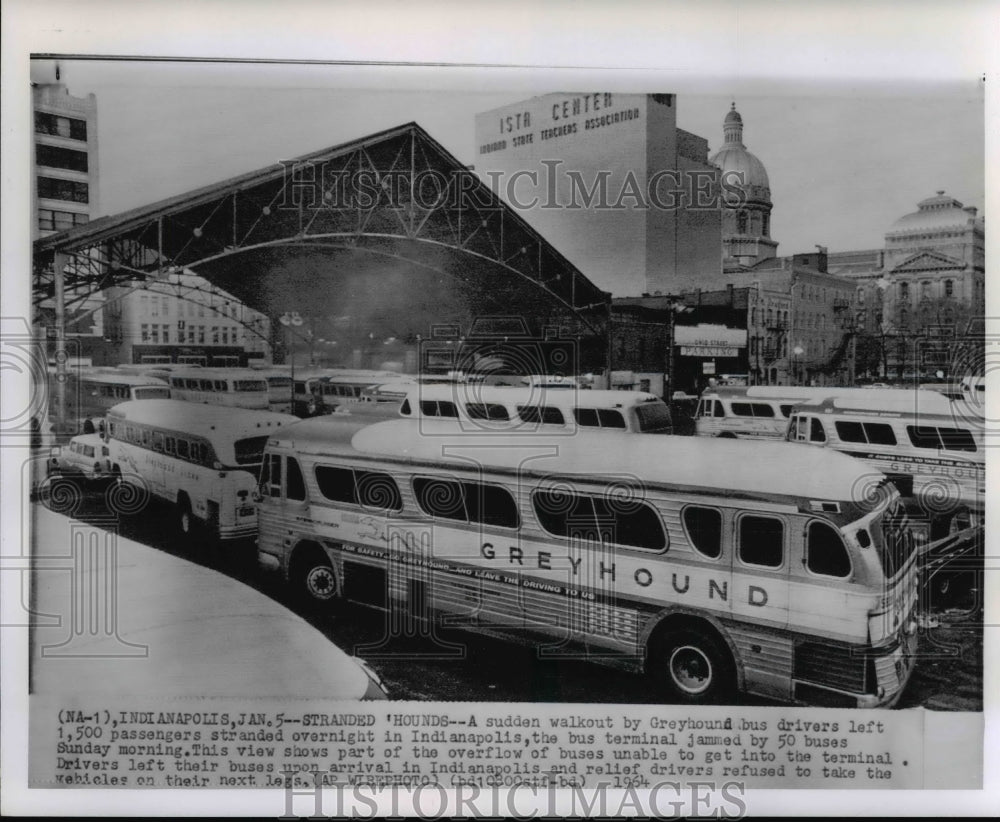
(389, 226)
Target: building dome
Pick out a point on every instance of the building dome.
(937, 212)
(734, 157)
(746, 219)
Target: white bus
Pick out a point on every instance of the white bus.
(321, 392)
(233, 387)
(931, 450)
(758, 567)
(203, 459)
(90, 393)
(524, 408)
(762, 411)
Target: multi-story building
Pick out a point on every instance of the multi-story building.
(185, 319)
(920, 296)
(612, 182)
(64, 175)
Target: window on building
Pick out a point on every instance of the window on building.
(154, 333)
(741, 222)
(144, 332)
(949, 288)
(201, 309)
(165, 306)
(904, 291)
(60, 126)
(201, 334)
(68, 190)
(215, 335)
(59, 157)
(51, 220)
(166, 334)
(765, 228)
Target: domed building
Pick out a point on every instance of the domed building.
(934, 266)
(746, 220)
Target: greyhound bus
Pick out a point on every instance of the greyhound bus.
(524, 408)
(762, 411)
(91, 393)
(931, 448)
(202, 459)
(715, 567)
(214, 386)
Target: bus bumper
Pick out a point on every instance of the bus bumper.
(238, 531)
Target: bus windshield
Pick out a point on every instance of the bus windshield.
(653, 417)
(249, 451)
(897, 544)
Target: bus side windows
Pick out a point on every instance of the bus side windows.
(720, 411)
(540, 414)
(169, 445)
(405, 408)
(874, 433)
(762, 541)
(752, 409)
(826, 553)
(703, 527)
(466, 501)
(610, 418)
(438, 408)
(182, 449)
(953, 439)
(157, 441)
(630, 523)
(371, 489)
(486, 411)
(786, 410)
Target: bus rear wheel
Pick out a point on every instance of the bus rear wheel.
(693, 666)
(315, 580)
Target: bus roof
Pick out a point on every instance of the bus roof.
(535, 395)
(738, 466)
(207, 634)
(901, 402)
(201, 419)
(217, 373)
(116, 378)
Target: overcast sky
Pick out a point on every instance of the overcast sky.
(844, 160)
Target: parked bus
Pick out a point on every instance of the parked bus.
(758, 567)
(203, 459)
(762, 411)
(91, 393)
(523, 408)
(318, 393)
(232, 387)
(922, 441)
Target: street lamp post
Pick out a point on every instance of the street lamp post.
(797, 351)
(289, 320)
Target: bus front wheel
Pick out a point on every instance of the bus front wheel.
(315, 579)
(186, 522)
(693, 666)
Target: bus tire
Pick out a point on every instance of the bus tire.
(187, 523)
(693, 666)
(727, 435)
(314, 578)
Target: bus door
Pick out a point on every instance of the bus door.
(807, 428)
